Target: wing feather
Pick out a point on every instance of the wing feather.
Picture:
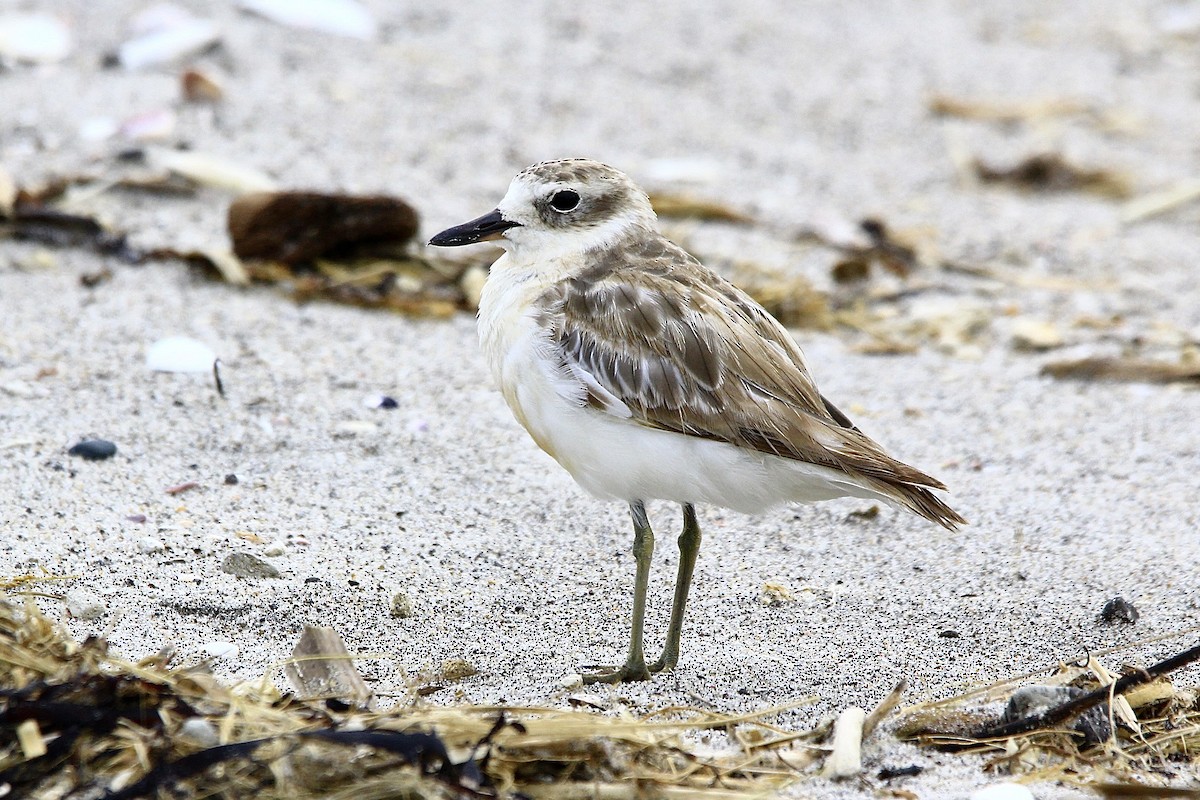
(672, 345)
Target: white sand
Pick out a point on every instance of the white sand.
(1076, 492)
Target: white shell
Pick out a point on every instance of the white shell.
(180, 354)
(164, 45)
(210, 170)
(340, 17)
(36, 38)
(220, 649)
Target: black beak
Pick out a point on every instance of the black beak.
(484, 229)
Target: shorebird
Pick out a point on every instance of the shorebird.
(647, 376)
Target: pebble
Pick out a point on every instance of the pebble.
(1119, 610)
(231, 480)
(200, 731)
(246, 565)
(1031, 335)
(572, 680)
(93, 450)
(274, 550)
(380, 401)
(1002, 791)
(1030, 700)
(455, 669)
(402, 607)
(85, 604)
(148, 545)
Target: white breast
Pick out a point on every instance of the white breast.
(610, 456)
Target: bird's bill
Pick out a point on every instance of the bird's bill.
(489, 227)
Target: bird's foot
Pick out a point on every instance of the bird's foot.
(666, 662)
(631, 671)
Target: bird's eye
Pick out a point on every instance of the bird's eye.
(564, 201)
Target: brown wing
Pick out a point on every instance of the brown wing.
(684, 350)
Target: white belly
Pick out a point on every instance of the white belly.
(615, 458)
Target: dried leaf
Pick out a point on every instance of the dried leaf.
(686, 206)
(1050, 172)
(1122, 370)
(994, 111)
(209, 170)
(1152, 205)
(294, 227)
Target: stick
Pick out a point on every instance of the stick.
(886, 707)
(1073, 708)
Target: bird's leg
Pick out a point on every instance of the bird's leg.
(689, 546)
(643, 549)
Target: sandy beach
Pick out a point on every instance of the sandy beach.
(1077, 491)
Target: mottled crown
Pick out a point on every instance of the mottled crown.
(572, 170)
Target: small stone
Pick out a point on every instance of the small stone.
(402, 607)
(388, 403)
(148, 545)
(455, 669)
(200, 87)
(472, 282)
(85, 604)
(775, 594)
(1002, 791)
(231, 479)
(1030, 700)
(274, 550)
(1031, 335)
(93, 450)
(200, 732)
(572, 680)
(246, 565)
(1119, 610)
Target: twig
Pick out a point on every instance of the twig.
(886, 707)
(1067, 711)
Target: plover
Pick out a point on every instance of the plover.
(648, 376)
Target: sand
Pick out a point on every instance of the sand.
(1076, 492)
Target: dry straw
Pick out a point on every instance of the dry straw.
(78, 723)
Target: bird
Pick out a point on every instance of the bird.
(648, 376)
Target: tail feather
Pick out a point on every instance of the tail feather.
(924, 502)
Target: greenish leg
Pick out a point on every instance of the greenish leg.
(643, 550)
(689, 546)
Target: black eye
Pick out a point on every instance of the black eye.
(564, 201)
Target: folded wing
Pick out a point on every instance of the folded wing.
(663, 341)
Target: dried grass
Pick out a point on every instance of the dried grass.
(76, 722)
(1156, 724)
